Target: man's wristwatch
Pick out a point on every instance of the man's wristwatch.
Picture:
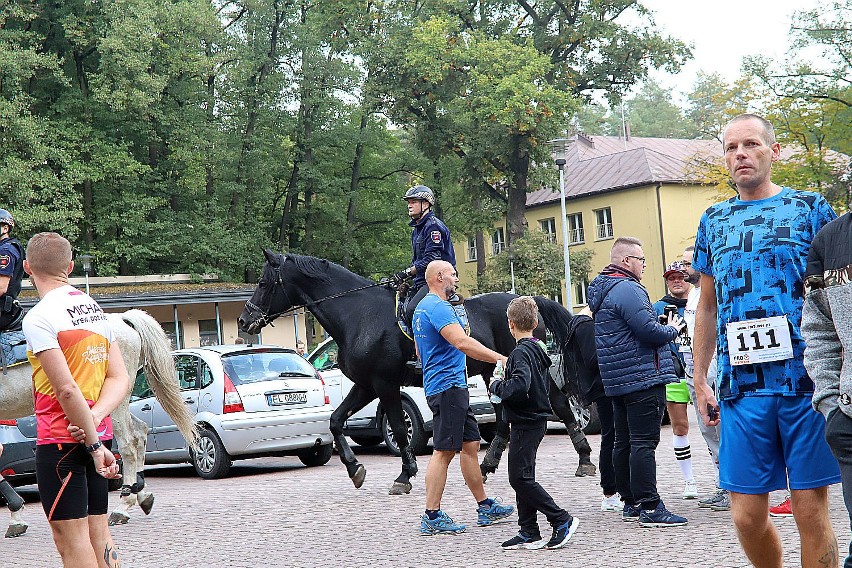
(94, 447)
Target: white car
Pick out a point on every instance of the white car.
(370, 426)
(249, 401)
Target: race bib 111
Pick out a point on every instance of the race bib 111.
(759, 341)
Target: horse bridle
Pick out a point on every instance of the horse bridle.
(267, 319)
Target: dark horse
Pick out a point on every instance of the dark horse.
(372, 351)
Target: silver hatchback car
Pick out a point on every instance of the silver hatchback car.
(248, 401)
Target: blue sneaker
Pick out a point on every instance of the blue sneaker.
(661, 517)
(630, 513)
(495, 512)
(442, 524)
(562, 534)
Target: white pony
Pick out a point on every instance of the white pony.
(143, 343)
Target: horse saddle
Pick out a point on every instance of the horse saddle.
(406, 303)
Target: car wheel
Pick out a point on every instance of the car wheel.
(417, 437)
(586, 416)
(594, 425)
(367, 441)
(316, 455)
(211, 460)
(488, 431)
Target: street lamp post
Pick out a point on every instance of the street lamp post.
(560, 150)
(512, 257)
(86, 259)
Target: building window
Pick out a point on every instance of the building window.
(498, 241)
(548, 227)
(176, 340)
(604, 223)
(471, 248)
(580, 292)
(575, 229)
(208, 333)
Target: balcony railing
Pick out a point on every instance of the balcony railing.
(576, 236)
(605, 231)
(497, 248)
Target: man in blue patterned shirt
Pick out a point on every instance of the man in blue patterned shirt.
(751, 251)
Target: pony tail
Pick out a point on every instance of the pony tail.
(161, 373)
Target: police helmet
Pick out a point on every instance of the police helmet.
(6, 217)
(420, 192)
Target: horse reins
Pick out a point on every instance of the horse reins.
(267, 319)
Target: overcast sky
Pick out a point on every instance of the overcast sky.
(723, 32)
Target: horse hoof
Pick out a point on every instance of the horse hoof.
(118, 518)
(359, 476)
(399, 488)
(147, 503)
(16, 529)
(585, 469)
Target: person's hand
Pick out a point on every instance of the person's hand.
(708, 406)
(105, 463)
(77, 433)
(677, 322)
(398, 278)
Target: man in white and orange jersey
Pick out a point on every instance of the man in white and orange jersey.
(78, 380)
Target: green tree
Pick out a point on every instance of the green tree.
(537, 273)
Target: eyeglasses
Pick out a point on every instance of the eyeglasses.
(639, 258)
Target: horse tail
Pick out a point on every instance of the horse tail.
(161, 373)
(559, 322)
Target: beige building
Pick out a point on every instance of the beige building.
(191, 314)
(641, 187)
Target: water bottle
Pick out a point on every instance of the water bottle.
(498, 374)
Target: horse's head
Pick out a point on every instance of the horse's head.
(270, 298)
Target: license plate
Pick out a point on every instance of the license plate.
(279, 398)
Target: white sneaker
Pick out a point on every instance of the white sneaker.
(690, 490)
(612, 504)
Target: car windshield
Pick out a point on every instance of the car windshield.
(255, 366)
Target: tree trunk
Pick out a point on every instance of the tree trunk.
(516, 222)
(354, 186)
(480, 253)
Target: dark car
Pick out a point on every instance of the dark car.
(17, 463)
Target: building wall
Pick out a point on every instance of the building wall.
(283, 334)
(635, 212)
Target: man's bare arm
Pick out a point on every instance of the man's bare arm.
(704, 345)
(116, 385)
(454, 333)
(4, 284)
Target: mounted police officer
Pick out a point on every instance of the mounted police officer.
(11, 275)
(430, 240)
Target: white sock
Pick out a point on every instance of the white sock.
(683, 453)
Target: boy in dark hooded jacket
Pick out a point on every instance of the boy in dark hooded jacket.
(526, 405)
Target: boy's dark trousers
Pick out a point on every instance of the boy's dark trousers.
(531, 497)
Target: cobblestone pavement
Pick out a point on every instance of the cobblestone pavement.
(274, 512)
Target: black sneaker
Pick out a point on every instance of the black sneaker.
(522, 541)
(660, 517)
(630, 513)
(562, 534)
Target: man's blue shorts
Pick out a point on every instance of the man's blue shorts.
(766, 439)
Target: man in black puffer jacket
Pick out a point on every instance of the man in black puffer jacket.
(635, 364)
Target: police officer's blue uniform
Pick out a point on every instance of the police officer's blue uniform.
(430, 240)
(12, 266)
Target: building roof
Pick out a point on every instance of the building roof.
(606, 163)
(149, 294)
